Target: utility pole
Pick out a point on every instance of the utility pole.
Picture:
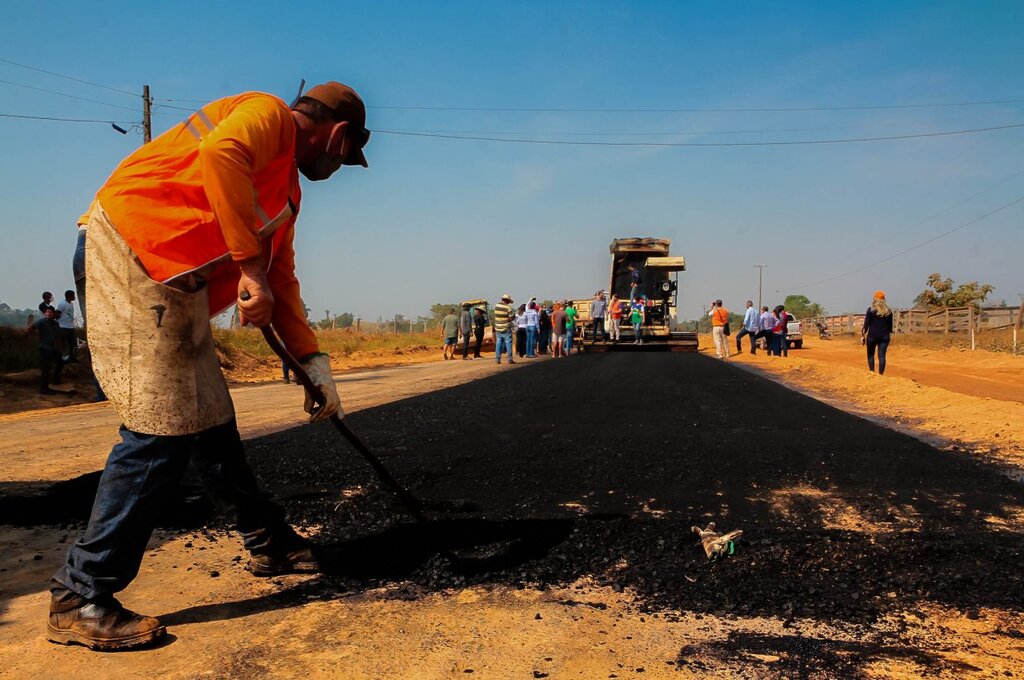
(147, 115)
(760, 279)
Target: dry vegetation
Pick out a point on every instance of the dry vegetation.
(338, 343)
(1000, 340)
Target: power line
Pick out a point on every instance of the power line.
(944, 234)
(69, 120)
(898, 232)
(702, 144)
(777, 109)
(668, 133)
(69, 96)
(61, 75)
(781, 109)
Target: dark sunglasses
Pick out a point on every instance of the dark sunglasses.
(360, 136)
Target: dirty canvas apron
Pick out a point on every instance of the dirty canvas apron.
(152, 350)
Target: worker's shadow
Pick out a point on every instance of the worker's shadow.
(458, 547)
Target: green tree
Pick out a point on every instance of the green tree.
(801, 307)
(440, 310)
(941, 293)
(14, 317)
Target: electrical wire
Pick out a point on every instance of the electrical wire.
(794, 142)
(944, 234)
(985, 102)
(782, 109)
(69, 96)
(77, 80)
(69, 120)
(890, 235)
(176, 108)
(671, 133)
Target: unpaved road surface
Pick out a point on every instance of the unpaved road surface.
(865, 552)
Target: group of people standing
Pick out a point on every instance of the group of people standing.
(468, 325)
(531, 329)
(772, 325)
(55, 333)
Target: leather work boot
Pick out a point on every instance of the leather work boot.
(102, 627)
(301, 560)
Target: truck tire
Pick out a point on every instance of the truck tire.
(799, 344)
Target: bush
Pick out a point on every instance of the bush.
(18, 349)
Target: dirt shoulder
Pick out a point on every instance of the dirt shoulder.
(19, 392)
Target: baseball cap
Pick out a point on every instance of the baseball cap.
(346, 105)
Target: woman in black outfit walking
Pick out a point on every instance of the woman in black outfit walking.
(877, 330)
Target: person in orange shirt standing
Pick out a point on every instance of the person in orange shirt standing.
(183, 228)
(719, 322)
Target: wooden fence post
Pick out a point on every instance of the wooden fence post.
(970, 323)
(947, 321)
(1016, 326)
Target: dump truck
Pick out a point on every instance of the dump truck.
(658, 288)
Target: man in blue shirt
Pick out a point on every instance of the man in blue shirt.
(751, 326)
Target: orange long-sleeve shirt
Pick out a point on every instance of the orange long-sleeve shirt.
(218, 188)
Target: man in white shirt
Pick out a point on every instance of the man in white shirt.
(66, 319)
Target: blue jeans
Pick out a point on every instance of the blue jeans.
(531, 342)
(78, 269)
(753, 336)
(881, 346)
(502, 343)
(140, 472)
(568, 340)
(784, 344)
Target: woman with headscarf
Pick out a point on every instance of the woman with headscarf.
(877, 330)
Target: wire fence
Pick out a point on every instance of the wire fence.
(960, 324)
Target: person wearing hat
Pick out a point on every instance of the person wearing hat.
(877, 331)
(466, 328)
(501, 325)
(197, 220)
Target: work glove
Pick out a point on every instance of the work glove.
(716, 544)
(319, 371)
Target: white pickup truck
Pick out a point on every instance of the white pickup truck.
(795, 337)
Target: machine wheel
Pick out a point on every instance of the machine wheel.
(799, 344)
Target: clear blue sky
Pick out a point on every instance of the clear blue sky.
(438, 219)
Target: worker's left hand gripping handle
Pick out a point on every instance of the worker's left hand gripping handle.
(316, 399)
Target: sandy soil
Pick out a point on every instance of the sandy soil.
(225, 623)
(20, 391)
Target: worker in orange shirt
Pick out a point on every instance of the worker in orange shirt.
(181, 229)
(720, 329)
